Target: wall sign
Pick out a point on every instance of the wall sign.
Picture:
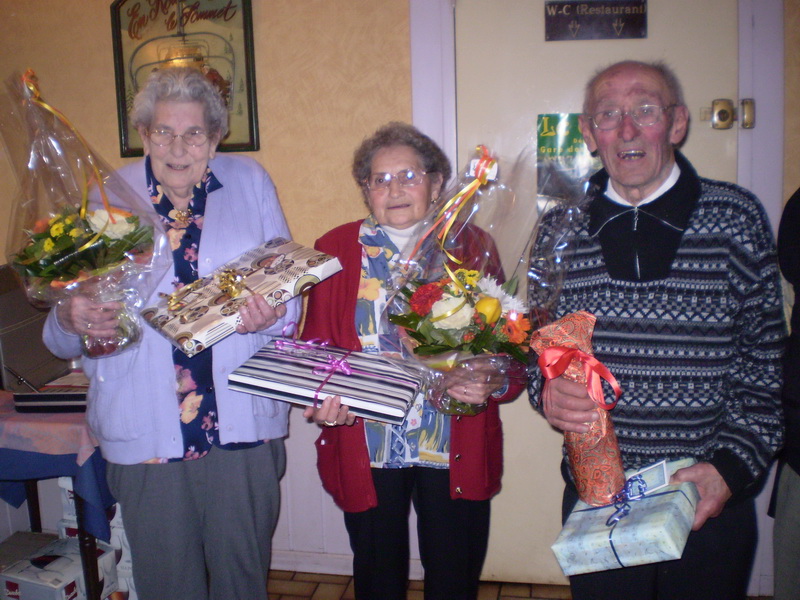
(594, 20)
(564, 163)
(214, 36)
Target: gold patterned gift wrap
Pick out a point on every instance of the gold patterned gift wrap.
(202, 313)
(653, 528)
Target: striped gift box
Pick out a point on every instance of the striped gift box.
(304, 373)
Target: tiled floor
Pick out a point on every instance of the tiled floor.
(287, 585)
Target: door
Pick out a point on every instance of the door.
(505, 76)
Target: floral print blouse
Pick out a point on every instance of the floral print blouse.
(424, 437)
(196, 404)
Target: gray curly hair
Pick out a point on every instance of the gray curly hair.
(396, 133)
(181, 84)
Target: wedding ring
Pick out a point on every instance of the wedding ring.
(465, 390)
(88, 325)
(329, 423)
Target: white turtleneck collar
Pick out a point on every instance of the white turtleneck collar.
(401, 238)
(668, 183)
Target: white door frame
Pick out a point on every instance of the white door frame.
(760, 150)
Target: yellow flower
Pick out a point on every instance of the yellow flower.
(57, 229)
(48, 245)
(190, 407)
(469, 278)
(490, 308)
(75, 232)
(368, 288)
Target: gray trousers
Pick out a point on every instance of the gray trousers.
(202, 529)
(786, 536)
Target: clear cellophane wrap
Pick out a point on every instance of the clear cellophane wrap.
(76, 227)
(594, 457)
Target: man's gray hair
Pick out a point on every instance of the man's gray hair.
(664, 71)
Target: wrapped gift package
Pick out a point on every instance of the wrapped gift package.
(654, 530)
(55, 573)
(202, 313)
(305, 373)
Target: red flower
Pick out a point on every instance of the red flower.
(423, 299)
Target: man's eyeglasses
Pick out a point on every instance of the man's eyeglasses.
(165, 137)
(406, 178)
(645, 115)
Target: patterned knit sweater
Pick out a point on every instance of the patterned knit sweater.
(686, 291)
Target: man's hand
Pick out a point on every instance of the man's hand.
(567, 405)
(714, 492)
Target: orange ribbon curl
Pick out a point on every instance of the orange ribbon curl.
(553, 361)
(449, 212)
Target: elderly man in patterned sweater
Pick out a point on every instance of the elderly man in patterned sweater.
(681, 273)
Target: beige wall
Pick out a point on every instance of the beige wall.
(328, 73)
(791, 159)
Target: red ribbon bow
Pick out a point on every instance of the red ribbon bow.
(554, 360)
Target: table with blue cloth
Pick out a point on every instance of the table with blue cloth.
(36, 446)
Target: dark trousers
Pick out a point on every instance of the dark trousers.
(715, 565)
(453, 537)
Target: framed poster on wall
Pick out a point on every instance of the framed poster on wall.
(214, 36)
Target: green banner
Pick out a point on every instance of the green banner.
(564, 161)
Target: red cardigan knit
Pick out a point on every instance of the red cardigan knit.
(476, 443)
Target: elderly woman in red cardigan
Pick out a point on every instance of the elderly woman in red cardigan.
(449, 466)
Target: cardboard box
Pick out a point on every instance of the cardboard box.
(68, 530)
(199, 315)
(303, 373)
(655, 530)
(55, 573)
(22, 544)
(67, 498)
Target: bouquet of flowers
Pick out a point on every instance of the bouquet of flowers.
(77, 227)
(472, 313)
(458, 312)
(466, 327)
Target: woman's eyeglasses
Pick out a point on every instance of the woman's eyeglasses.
(406, 178)
(165, 137)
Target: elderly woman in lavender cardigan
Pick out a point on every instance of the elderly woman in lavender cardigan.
(195, 467)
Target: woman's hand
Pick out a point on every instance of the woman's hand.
(474, 385)
(82, 316)
(258, 315)
(330, 413)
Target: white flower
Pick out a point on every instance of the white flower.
(99, 218)
(461, 318)
(490, 287)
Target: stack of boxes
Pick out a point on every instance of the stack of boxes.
(55, 572)
(68, 529)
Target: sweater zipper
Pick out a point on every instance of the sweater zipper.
(636, 246)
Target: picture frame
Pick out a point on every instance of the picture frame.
(214, 36)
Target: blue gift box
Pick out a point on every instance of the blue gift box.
(655, 529)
